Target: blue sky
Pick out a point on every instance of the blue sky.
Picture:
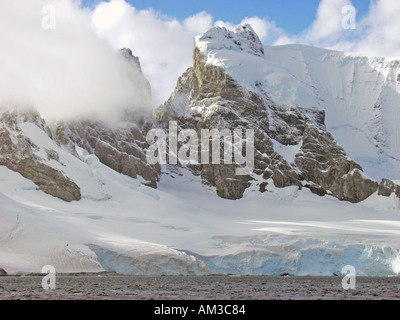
(293, 16)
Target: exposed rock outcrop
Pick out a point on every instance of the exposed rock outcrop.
(20, 154)
(121, 147)
(387, 188)
(323, 162)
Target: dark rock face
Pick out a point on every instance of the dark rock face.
(323, 162)
(356, 187)
(318, 190)
(17, 152)
(122, 148)
(48, 180)
(2, 272)
(387, 187)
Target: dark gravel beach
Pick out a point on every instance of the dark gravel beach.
(116, 287)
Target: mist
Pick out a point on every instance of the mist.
(52, 59)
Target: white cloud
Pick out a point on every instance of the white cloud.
(198, 23)
(163, 45)
(378, 32)
(326, 28)
(375, 34)
(328, 22)
(108, 15)
(65, 72)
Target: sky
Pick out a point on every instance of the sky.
(291, 15)
(73, 68)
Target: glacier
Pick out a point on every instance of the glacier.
(184, 228)
(302, 256)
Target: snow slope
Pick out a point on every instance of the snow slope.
(360, 94)
(184, 228)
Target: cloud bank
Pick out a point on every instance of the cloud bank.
(163, 44)
(64, 71)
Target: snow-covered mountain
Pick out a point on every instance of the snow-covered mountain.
(359, 94)
(81, 195)
(237, 83)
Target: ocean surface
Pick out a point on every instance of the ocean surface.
(218, 287)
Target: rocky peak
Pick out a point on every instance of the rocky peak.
(128, 55)
(33, 161)
(243, 39)
(135, 63)
(250, 38)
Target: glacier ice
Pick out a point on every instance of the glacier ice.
(303, 256)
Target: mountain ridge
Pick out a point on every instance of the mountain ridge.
(212, 94)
